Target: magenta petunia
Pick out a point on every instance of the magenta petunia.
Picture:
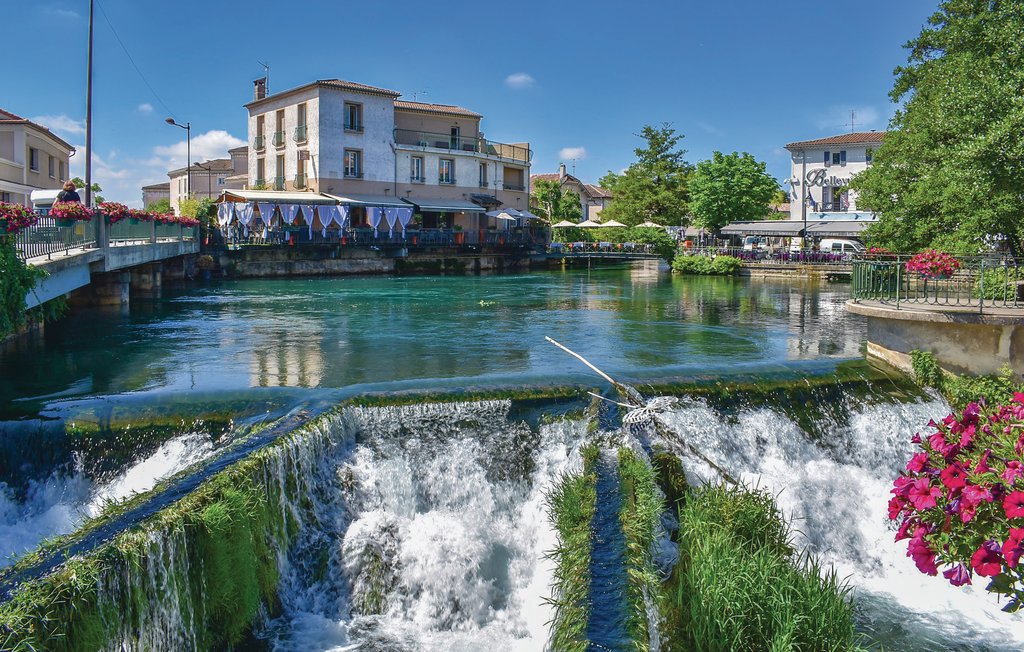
(922, 495)
(982, 466)
(918, 463)
(953, 477)
(1018, 397)
(923, 556)
(958, 575)
(1013, 504)
(1013, 470)
(986, 560)
(1013, 547)
(896, 505)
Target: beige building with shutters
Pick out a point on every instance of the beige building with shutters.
(31, 158)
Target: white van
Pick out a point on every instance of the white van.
(841, 246)
(754, 243)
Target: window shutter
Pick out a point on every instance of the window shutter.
(842, 157)
(828, 158)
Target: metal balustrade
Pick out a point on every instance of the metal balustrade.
(468, 144)
(49, 236)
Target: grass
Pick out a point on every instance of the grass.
(739, 586)
(641, 509)
(571, 507)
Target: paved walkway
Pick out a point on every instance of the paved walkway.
(991, 312)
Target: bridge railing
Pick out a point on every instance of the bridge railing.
(981, 282)
(49, 236)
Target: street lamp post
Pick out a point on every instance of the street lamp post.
(209, 182)
(188, 152)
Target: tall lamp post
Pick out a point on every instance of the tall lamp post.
(188, 152)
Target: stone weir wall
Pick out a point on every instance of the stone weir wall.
(336, 261)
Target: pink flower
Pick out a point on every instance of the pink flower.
(953, 477)
(958, 575)
(896, 506)
(905, 526)
(968, 436)
(1013, 547)
(902, 485)
(1018, 397)
(983, 466)
(1013, 470)
(1013, 504)
(923, 556)
(986, 560)
(918, 463)
(939, 445)
(971, 497)
(923, 495)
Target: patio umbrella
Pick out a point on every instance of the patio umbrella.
(564, 224)
(589, 224)
(612, 223)
(651, 225)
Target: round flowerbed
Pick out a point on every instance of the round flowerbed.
(960, 504)
(14, 217)
(933, 264)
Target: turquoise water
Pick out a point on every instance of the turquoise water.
(428, 332)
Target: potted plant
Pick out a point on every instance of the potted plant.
(933, 264)
(113, 212)
(66, 213)
(460, 237)
(14, 217)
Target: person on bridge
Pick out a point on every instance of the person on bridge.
(69, 193)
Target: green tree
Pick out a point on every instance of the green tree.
(950, 173)
(730, 187)
(159, 206)
(554, 202)
(96, 190)
(654, 187)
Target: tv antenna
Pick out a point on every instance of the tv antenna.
(853, 121)
(416, 94)
(266, 76)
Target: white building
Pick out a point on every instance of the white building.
(821, 173)
(364, 144)
(209, 178)
(32, 158)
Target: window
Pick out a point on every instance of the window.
(52, 167)
(261, 172)
(5, 197)
(279, 128)
(221, 181)
(869, 154)
(446, 171)
(300, 173)
(60, 167)
(33, 159)
(353, 163)
(353, 116)
(417, 169)
(279, 176)
(300, 128)
(261, 125)
(839, 158)
(483, 175)
(828, 158)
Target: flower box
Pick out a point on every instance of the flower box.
(934, 265)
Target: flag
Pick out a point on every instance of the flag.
(810, 200)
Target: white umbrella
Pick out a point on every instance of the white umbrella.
(589, 224)
(651, 225)
(612, 223)
(563, 224)
(505, 216)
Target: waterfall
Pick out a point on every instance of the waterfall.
(433, 534)
(835, 491)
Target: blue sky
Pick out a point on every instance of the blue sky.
(573, 78)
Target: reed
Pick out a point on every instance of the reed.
(640, 512)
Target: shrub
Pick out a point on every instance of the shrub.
(960, 502)
(707, 265)
(926, 369)
(1000, 388)
(998, 284)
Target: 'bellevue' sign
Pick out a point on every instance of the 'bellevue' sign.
(819, 177)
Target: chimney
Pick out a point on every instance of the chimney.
(259, 89)
(561, 171)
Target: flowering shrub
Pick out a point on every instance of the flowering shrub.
(14, 217)
(961, 501)
(71, 210)
(933, 264)
(115, 211)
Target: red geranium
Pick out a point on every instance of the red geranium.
(71, 210)
(933, 264)
(114, 211)
(14, 217)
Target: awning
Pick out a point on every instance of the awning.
(837, 228)
(380, 201)
(485, 200)
(446, 205)
(275, 197)
(778, 228)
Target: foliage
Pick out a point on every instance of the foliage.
(554, 202)
(160, 206)
(730, 187)
(16, 279)
(737, 585)
(571, 507)
(949, 174)
(933, 264)
(71, 210)
(998, 284)
(963, 390)
(926, 369)
(639, 514)
(662, 242)
(960, 502)
(654, 187)
(96, 198)
(14, 217)
(707, 265)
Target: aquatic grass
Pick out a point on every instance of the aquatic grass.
(738, 586)
(571, 506)
(640, 512)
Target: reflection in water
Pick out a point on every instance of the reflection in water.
(638, 321)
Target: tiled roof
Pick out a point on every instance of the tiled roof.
(444, 109)
(598, 191)
(355, 86)
(856, 138)
(594, 191)
(166, 185)
(545, 177)
(6, 117)
(216, 165)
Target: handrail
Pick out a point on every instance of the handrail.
(468, 144)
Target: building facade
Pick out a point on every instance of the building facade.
(209, 178)
(368, 146)
(593, 199)
(154, 192)
(821, 171)
(31, 158)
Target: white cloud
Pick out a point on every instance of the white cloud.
(145, 107)
(567, 153)
(212, 144)
(61, 123)
(61, 12)
(519, 80)
(710, 128)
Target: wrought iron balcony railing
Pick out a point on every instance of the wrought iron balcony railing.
(259, 142)
(515, 153)
(300, 134)
(279, 139)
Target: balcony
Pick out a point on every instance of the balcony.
(358, 128)
(278, 183)
(425, 140)
(446, 181)
(300, 181)
(300, 134)
(278, 139)
(513, 186)
(259, 182)
(417, 178)
(259, 143)
(832, 207)
(484, 184)
(353, 174)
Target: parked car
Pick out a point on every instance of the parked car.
(754, 243)
(841, 246)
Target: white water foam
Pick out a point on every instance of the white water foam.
(837, 494)
(441, 532)
(63, 501)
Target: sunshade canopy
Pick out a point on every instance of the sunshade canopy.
(381, 201)
(276, 197)
(563, 224)
(612, 223)
(446, 205)
(589, 224)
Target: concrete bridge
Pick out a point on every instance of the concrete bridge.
(103, 264)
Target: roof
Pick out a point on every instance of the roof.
(442, 109)
(166, 185)
(340, 84)
(591, 189)
(276, 196)
(598, 191)
(381, 201)
(446, 205)
(216, 165)
(8, 118)
(856, 138)
(764, 227)
(240, 148)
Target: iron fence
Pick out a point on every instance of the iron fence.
(236, 236)
(981, 282)
(49, 236)
(775, 256)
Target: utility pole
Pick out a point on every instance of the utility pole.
(88, 115)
